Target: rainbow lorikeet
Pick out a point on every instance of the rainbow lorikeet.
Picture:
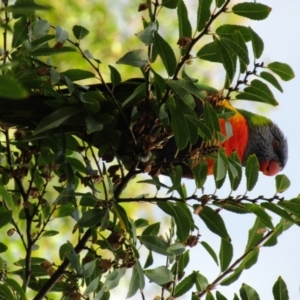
(251, 133)
(255, 134)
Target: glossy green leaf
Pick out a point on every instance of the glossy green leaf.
(182, 218)
(91, 218)
(234, 170)
(137, 280)
(184, 25)
(240, 51)
(253, 11)
(292, 206)
(232, 277)
(284, 71)
(225, 254)
(219, 296)
(185, 285)
(211, 251)
(147, 35)
(277, 210)
(213, 221)
(201, 282)
(219, 168)
(135, 58)
(166, 54)
(271, 79)
(80, 32)
(248, 293)
(6, 293)
(239, 40)
(229, 30)
(152, 229)
(155, 244)
(280, 291)
(170, 3)
(182, 263)
(227, 58)
(255, 234)
(45, 51)
(16, 287)
(257, 43)
(282, 183)
(203, 13)
(20, 32)
(209, 52)
(209, 296)
(11, 89)
(176, 249)
(115, 76)
(77, 74)
(159, 275)
(260, 213)
(252, 168)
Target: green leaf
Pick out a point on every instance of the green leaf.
(284, 71)
(137, 94)
(260, 213)
(91, 218)
(183, 88)
(55, 119)
(176, 249)
(229, 30)
(257, 43)
(26, 7)
(166, 53)
(213, 221)
(253, 11)
(92, 125)
(159, 275)
(227, 58)
(178, 124)
(93, 286)
(11, 89)
(209, 296)
(152, 229)
(182, 263)
(16, 287)
(271, 79)
(146, 35)
(239, 40)
(185, 285)
(115, 76)
(149, 261)
(203, 13)
(280, 291)
(277, 210)
(220, 296)
(234, 170)
(137, 280)
(219, 168)
(20, 32)
(182, 218)
(282, 183)
(80, 32)
(211, 251)
(256, 232)
(170, 3)
(292, 206)
(77, 74)
(225, 254)
(201, 282)
(45, 51)
(200, 171)
(184, 25)
(6, 293)
(252, 168)
(240, 52)
(155, 244)
(248, 293)
(135, 58)
(233, 277)
(209, 52)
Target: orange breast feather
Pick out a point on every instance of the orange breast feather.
(239, 139)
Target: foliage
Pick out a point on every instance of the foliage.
(50, 167)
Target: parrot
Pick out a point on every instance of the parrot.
(251, 133)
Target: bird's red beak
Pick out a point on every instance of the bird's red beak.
(270, 168)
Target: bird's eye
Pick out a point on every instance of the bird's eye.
(276, 144)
